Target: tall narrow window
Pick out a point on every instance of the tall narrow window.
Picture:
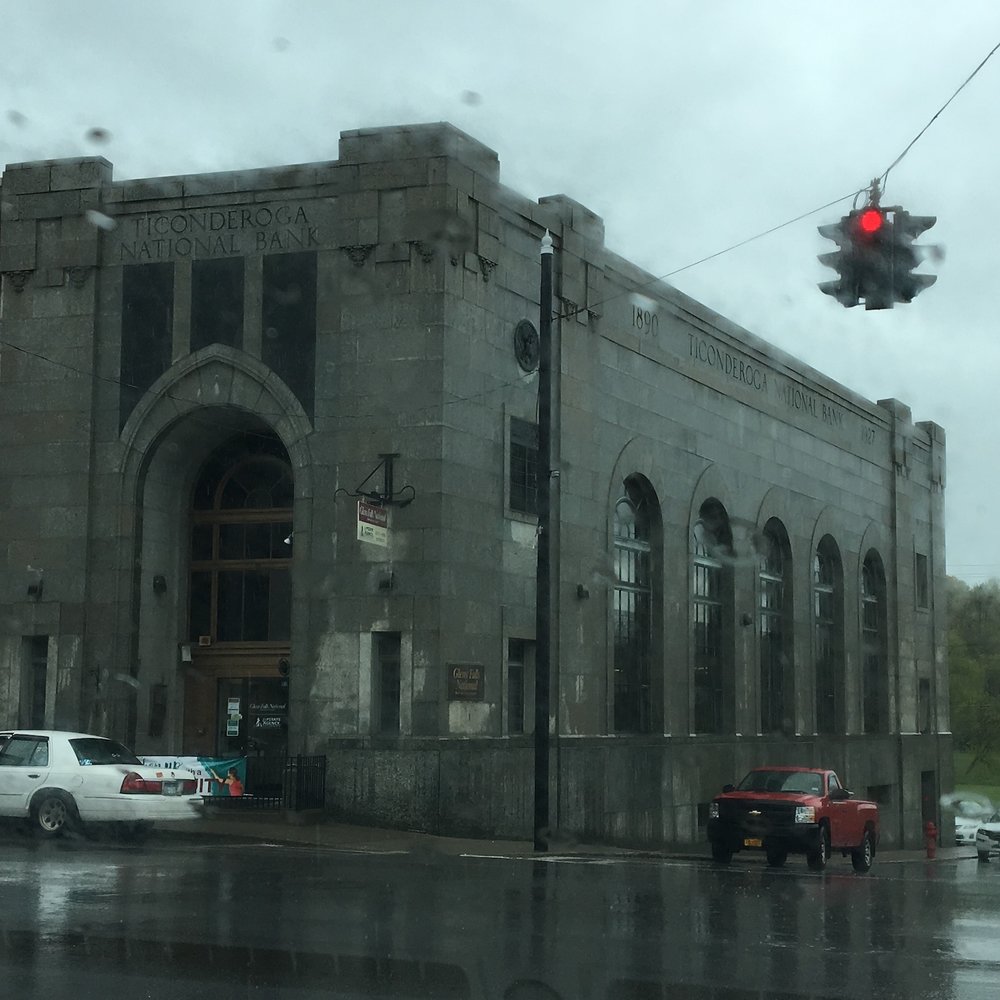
(147, 330)
(636, 527)
(241, 544)
(288, 317)
(874, 646)
(924, 711)
(711, 612)
(387, 682)
(523, 481)
(921, 581)
(520, 655)
(35, 681)
(776, 667)
(217, 302)
(828, 637)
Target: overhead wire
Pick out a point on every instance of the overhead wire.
(805, 215)
(610, 298)
(712, 256)
(938, 112)
(178, 398)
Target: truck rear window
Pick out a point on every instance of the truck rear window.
(795, 782)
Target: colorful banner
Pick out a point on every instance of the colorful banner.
(216, 775)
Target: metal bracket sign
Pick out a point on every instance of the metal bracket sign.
(373, 523)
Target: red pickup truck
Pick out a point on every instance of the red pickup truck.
(793, 810)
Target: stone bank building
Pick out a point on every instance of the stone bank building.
(268, 445)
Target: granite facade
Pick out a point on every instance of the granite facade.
(424, 265)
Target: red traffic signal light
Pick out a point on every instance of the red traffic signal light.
(876, 257)
(871, 221)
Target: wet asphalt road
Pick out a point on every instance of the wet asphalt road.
(183, 918)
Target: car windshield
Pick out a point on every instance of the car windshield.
(90, 750)
(798, 782)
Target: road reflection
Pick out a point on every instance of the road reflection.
(220, 923)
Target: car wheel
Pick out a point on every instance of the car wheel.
(52, 814)
(984, 857)
(863, 856)
(722, 854)
(776, 856)
(817, 859)
(134, 833)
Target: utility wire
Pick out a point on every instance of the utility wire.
(711, 256)
(938, 112)
(766, 232)
(520, 380)
(611, 298)
(804, 215)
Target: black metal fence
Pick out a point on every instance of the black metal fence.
(297, 782)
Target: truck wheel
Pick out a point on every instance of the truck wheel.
(722, 854)
(861, 857)
(984, 857)
(818, 858)
(776, 856)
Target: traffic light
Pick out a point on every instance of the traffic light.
(876, 257)
(863, 260)
(906, 228)
(845, 288)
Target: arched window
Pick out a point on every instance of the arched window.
(828, 631)
(636, 531)
(777, 670)
(712, 604)
(241, 544)
(874, 646)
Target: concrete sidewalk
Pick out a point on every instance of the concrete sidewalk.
(317, 829)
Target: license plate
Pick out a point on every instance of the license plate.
(171, 788)
(753, 842)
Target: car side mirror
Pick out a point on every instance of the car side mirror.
(729, 788)
(839, 794)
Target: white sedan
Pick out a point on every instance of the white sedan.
(965, 830)
(988, 838)
(58, 780)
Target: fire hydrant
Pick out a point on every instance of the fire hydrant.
(930, 840)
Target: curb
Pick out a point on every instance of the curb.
(303, 831)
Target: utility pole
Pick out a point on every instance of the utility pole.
(543, 587)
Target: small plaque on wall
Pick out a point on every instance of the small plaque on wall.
(465, 682)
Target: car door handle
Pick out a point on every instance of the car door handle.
(34, 775)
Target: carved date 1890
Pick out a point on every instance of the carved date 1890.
(645, 321)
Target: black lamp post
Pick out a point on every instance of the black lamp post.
(543, 573)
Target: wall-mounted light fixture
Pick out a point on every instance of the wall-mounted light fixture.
(581, 592)
(159, 584)
(746, 619)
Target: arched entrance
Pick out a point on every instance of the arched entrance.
(239, 600)
(205, 506)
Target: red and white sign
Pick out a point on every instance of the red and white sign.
(373, 523)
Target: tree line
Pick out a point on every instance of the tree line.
(974, 659)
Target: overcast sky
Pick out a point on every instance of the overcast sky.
(688, 126)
